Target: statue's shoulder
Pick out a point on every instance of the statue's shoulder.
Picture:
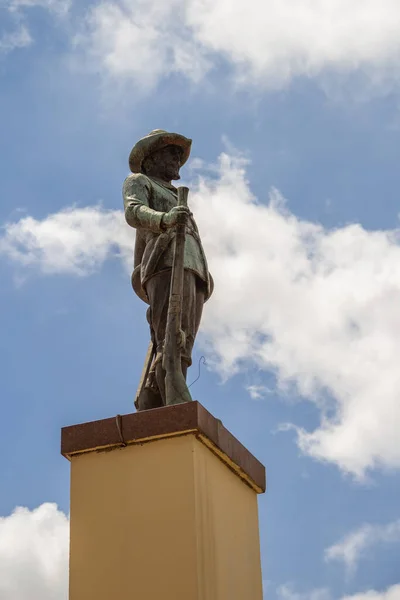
(137, 179)
(137, 185)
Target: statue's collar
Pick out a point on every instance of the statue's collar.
(169, 186)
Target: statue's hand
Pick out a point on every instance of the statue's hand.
(177, 214)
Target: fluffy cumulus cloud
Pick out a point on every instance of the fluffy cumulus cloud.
(34, 554)
(391, 593)
(316, 307)
(287, 592)
(264, 41)
(75, 241)
(19, 37)
(141, 40)
(16, 33)
(354, 546)
(57, 7)
(257, 392)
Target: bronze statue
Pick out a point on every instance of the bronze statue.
(167, 249)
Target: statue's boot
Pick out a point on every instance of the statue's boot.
(149, 398)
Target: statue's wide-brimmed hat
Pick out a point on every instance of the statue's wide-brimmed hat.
(156, 140)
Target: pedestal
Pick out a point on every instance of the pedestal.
(163, 507)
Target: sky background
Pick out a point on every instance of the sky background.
(293, 108)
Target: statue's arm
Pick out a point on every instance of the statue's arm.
(138, 214)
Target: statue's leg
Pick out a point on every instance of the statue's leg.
(194, 294)
(160, 375)
(149, 396)
(157, 289)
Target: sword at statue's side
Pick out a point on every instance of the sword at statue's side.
(176, 389)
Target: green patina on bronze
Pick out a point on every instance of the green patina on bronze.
(151, 207)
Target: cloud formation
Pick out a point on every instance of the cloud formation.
(57, 7)
(353, 547)
(316, 307)
(18, 38)
(75, 241)
(34, 548)
(264, 42)
(287, 592)
(141, 41)
(19, 12)
(391, 593)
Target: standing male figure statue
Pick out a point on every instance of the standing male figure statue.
(150, 202)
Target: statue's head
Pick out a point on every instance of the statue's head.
(164, 164)
(160, 154)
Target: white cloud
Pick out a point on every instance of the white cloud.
(75, 240)
(351, 549)
(142, 40)
(257, 392)
(57, 7)
(34, 550)
(287, 592)
(317, 307)
(264, 41)
(391, 593)
(19, 38)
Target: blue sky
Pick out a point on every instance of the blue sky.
(294, 114)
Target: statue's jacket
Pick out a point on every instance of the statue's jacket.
(145, 201)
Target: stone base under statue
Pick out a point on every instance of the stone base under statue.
(163, 507)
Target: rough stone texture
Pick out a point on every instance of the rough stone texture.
(154, 424)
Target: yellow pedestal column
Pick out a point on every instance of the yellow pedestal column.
(170, 516)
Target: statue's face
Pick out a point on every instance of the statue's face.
(165, 163)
